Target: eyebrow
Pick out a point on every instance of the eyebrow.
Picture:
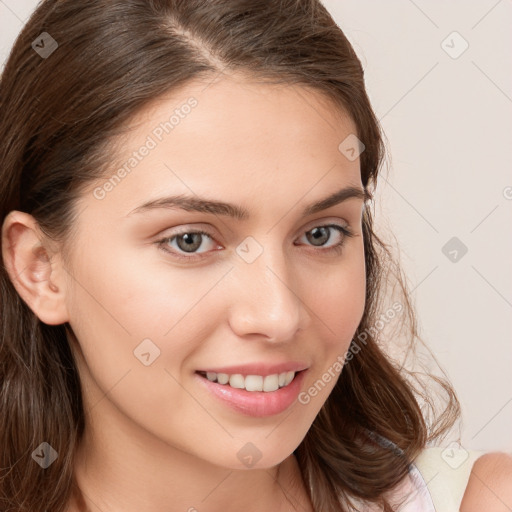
(204, 205)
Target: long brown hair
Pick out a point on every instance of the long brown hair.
(58, 113)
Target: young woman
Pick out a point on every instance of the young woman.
(194, 315)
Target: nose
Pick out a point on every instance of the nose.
(266, 300)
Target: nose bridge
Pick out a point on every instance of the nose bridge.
(267, 302)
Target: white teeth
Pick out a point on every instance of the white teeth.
(289, 378)
(237, 381)
(271, 382)
(253, 382)
(222, 378)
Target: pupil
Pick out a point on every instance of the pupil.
(190, 244)
(319, 233)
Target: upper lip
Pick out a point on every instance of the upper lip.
(262, 369)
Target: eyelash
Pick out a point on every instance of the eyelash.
(337, 248)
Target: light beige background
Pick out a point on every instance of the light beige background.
(448, 122)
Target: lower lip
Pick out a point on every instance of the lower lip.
(256, 403)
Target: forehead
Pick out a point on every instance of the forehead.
(234, 138)
(241, 113)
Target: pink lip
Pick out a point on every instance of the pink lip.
(255, 403)
(258, 369)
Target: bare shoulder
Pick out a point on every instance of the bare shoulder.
(490, 484)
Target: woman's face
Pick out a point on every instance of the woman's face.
(261, 295)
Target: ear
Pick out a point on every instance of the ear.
(37, 274)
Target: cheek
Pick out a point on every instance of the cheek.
(125, 312)
(339, 301)
(139, 322)
(340, 309)
(125, 300)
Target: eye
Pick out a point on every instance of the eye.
(188, 242)
(322, 234)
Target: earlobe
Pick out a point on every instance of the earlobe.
(37, 277)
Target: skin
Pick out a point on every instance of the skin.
(115, 288)
(155, 439)
(490, 484)
(138, 453)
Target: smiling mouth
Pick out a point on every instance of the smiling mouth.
(266, 384)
